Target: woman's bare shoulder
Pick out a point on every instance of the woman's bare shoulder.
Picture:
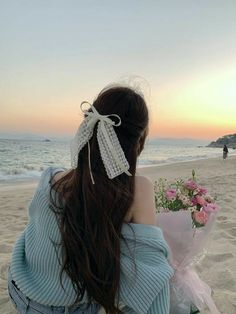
(60, 175)
(143, 181)
(143, 207)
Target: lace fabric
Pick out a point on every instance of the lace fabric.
(111, 152)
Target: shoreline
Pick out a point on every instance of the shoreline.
(203, 168)
(147, 170)
(232, 156)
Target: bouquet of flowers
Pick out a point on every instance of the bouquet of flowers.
(186, 213)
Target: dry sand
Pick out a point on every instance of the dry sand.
(217, 268)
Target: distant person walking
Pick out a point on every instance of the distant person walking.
(225, 152)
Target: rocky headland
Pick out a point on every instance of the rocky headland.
(229, 140)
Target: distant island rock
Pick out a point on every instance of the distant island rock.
(46, 140)
(229, 140)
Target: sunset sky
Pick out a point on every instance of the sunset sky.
(54, 54)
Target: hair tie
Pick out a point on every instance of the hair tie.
(111, 152)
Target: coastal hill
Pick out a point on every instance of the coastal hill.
(229, 140)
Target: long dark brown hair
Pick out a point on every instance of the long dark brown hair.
(91, 217)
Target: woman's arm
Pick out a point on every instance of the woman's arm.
(143, 208)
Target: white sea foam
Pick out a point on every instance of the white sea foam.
(24, 160)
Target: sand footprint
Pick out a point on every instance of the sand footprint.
(232, 232)
(225, 281)
(4, 270)
(222, 235)
(220, 257)
(226, 225)
(233, 242)
(222, 218)
(228, 200)
(4, 248)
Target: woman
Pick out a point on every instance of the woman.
(91, 241)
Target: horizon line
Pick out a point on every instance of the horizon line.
(38, 136)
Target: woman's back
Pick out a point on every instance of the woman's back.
(37, 272)
(142, 210)
(91, 236)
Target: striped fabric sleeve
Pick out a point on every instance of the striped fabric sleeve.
(145, 271)
(47, 174)
(161, 304)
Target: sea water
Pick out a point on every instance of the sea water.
(26, 159)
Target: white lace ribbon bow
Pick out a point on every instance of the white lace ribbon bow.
(112, 154)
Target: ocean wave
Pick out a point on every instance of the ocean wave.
(19, 174)
(18, 162)
(4, 150)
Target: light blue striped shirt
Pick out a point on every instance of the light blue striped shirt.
(36, 269)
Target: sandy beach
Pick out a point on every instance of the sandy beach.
(217, 268)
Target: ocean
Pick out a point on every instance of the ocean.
(22, 160)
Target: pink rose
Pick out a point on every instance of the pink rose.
(190, 185)
(202, 190)
(199, 200)
(210, 208)
(200, 217)
(171, 194)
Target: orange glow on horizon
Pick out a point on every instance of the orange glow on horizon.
(164, 127)
(202, 107)
(179, 130)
